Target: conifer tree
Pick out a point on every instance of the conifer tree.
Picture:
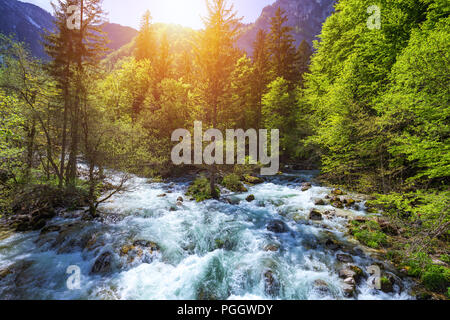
(216, 57)
(261, 71)
(145, 42)
(281, 47)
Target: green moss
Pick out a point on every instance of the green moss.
(200, 189)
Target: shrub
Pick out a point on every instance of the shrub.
(200, 189)
(417, 263)
(436, 278)
(233, 183)
(369, 233)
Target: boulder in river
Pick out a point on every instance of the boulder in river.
(103, 264)
(337, 192)
(277, 226)
(315, 215)
(337, 204)
(319, 202)
(250, 198)
(180, 199)
(349, 290)
(306, 186)
(332, 244)
(272, 247)
(271, 284)
(344, 258)
(252, 179)
(322, 287)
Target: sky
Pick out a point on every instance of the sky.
(184, 12)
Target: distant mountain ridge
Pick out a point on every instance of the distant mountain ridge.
(28, 22)
(304, 16)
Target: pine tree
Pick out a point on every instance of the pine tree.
(145, 42)
(72, 50)
(261, 72)
(216, 57)
(282, 48)
(60, 47)
(304, 53)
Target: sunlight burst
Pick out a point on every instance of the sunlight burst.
(186, 13)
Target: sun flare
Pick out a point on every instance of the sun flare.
(185, 13)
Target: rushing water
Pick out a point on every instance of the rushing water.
(209, 250)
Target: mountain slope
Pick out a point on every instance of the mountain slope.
(305, 16)
(28, 22)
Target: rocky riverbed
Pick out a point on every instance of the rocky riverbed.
(285, 238)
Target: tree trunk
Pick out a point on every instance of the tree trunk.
(30, 148)
(64, 134)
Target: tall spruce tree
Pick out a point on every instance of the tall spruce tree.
(282, 48)
(72, 49)
(261, 72)
(216, 57)
(146, 40)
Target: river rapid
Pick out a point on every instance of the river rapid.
(151, 245)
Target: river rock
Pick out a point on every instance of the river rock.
(344, 258)
(103, 264)
(233, 200)
(319, 202)
(272, 247)
(162, 195)
(348, 290)
(387, 285)
(271, 284)
(337, 192)
(253, 180)
(350, 281)
(250, 198)
(277, 226)
(346, 273)
(315, 215)
(306, 186)
(332, 244)
(322, 287)
(337, 204)
(180, 199)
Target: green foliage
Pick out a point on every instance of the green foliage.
(436, 278)
(200, 189)
(369, 233)
(417, 263)
(233, 183)
(430, 207)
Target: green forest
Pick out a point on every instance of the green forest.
(369, 108)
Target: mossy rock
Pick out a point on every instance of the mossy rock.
(200, 189)
(252, 179)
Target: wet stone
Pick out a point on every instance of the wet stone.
(277, 226)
